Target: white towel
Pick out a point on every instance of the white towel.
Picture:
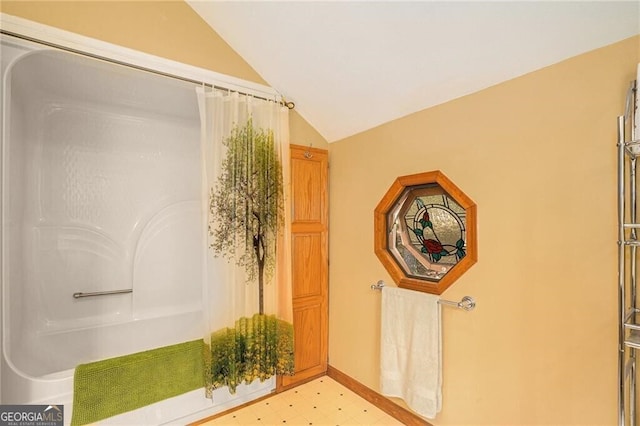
(410, 361)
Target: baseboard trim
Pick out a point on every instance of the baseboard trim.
(280, 387)
(382, 402)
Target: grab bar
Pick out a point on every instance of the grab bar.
(101, 293)
(467, 302)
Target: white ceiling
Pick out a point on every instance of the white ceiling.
(352, 65)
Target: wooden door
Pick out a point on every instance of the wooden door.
(309, 257)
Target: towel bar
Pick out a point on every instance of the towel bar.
(467, 302)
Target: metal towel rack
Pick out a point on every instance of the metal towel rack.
(467, 303)
(101, 293)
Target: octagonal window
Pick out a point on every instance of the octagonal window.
(425, 232)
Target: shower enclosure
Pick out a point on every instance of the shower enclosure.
(102, 230)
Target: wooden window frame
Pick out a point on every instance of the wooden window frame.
(381, 233)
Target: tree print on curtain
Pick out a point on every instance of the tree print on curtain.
(247, 204)
(256, 348)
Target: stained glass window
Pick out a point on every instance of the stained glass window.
(425, 232)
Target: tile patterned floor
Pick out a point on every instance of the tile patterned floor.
(321, 402)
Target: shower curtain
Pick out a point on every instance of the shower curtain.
(247, 294)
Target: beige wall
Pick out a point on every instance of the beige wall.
(169, 29)
(537, 154)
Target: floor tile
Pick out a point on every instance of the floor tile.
(321, 402)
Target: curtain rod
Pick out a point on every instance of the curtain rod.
(283, 102)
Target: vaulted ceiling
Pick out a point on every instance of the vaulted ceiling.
(353, 65)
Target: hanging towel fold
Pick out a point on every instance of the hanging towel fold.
(410, 361)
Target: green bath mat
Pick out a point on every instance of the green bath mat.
(105, 388)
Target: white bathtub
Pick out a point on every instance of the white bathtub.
(100, 192)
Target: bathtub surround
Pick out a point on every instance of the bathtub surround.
(116, 154)
(98, 196)
(411, 349)
(106, 388)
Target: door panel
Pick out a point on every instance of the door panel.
(308, 175)
(307, 252)
(307, 321)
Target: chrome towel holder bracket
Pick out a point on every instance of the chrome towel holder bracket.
(467, 303)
